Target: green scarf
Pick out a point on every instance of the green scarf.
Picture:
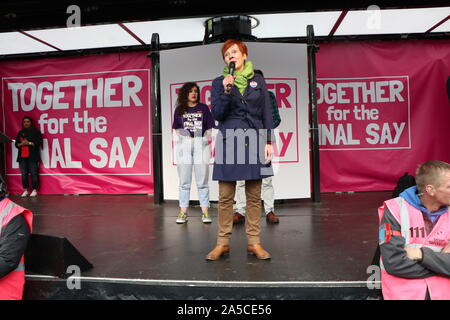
(241, 77)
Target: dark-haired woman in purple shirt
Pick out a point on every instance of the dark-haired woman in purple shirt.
(193, 122)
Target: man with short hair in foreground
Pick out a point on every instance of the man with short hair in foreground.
(414, 238)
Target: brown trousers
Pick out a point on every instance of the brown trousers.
(227, 191)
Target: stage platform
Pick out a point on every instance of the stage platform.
(319, 250)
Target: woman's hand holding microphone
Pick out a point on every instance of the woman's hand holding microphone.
(229, 79)
(228, 82)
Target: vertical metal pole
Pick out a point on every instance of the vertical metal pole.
(314, 126)
(156, 123)
(2, 157)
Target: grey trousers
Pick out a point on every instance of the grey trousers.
(268, 196)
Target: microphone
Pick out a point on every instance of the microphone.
(231, 68)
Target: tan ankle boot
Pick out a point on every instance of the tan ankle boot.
(217, 252)
(258, 251)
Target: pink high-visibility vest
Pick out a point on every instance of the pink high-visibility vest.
(11, 285)
(413, 230)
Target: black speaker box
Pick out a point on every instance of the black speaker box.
(231, 26)
(50, 255)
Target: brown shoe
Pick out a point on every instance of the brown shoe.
(238, 218)
(272, 218)
(258, 251)
(217, 252)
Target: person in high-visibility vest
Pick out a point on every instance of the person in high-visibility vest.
(414, 238)
(15, 230)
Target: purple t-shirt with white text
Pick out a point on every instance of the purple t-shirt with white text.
(194, 120)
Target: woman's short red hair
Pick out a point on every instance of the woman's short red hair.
(229, 43)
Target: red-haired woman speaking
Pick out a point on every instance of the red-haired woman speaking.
(241, 105)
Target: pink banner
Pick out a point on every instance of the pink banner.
(364, 114)
(95, 118)
(383, 109)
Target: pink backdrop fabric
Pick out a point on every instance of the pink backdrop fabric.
(398, 111)
(95, 117)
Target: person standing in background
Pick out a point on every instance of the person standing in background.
(29, 141)
(192, 122)
(268, 193)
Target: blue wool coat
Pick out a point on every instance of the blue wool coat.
(245, 126)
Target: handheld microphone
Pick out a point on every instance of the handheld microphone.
(231, 68)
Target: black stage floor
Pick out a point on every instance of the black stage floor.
(133, 242)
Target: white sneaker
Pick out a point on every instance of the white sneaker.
(182, 217)
(33, 193)
(206, 218)
(24, 194)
